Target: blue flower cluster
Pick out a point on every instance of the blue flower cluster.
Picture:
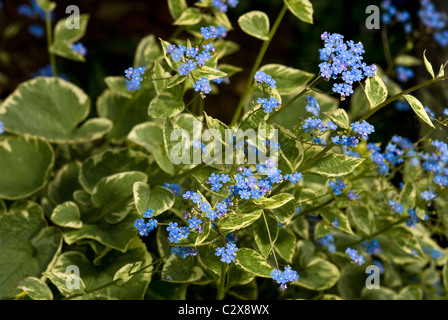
(227, 253)
(177, 233)
(312, 106)
(134, 77)
(343, 60)
(145, 227)
(337, 186)
(32, 11)
(434, 20)
(79, 47)
(413, 219)
(328, 242)
(392, 14)
(396, 206)
(2, 127)
(428, 195)
(434, 253)
(202, 86)
(282, 278)
(363, 130)
(356, 258)
(436, 163)
(262, 78)
(269, 105)
(396, 152)
(404, 74)
(222, 5)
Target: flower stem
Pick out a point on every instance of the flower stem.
(49, 42)
(256, 65)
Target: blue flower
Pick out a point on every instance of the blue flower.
(227, 253)
(337, 186)
(312, 106)
(356, 258)
(36, 30)
(397, 207)
(428, 195)
(79, 47)
(328, 242)
(282, 278)
(404, 74)
(202, 86)
(2, 127)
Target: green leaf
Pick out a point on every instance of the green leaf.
(117, 236)
(331, 213)
(275, 202)
(256, 24)
(60, 280)
(340, 118)
(114, 189)
(288, 80)
(147, 51)
(216, 124)
(285, 213)
(46, 5)
(124, 274)
(204, 234)
(28, 246)
(164, 106)
(253, 262)
(362, 218)
(176, 7)
(428, 65)
(124, 112)
(111, 162)
(162, 159)
(419, 109)
(286, 244)
(302, 9)
(378, 294)
(118, 85)
(408, 196)
(36, 289)
(407, 61)
(158, 198)
(67, 215)
(335, 165)
(237, 221)
(291, 150)
(62, 186)
(188, 17)
(320, 275)
(62, 34)
(53, 109)
(64, 38)
(96, 277)
(376, 91)
(146, 135)
(181, 270)
(264, 233)
(411, 292)
(26, 165)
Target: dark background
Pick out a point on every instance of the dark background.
(116, 26)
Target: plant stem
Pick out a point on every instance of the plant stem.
(49, 42)
(256, 65)
(270, 240)
(222, 282)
